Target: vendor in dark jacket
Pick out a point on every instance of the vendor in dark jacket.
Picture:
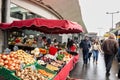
(85, 45)
(110, 48)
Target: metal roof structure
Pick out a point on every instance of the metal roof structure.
(67, 9)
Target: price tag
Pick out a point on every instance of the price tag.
(15, 48)
(7, 51)
(33, 67)
(22, 65)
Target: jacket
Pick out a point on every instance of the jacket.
(85, 44)
(110, 46)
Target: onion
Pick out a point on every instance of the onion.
(13, 64)
(4, 57)
(8, 58)
(13, 58)
(11, 55)
(6, 62)
(0, 55)
(11, 67)
(6, 66)
(10, 63)
(1, 63)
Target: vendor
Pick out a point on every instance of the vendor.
(73, 47)
(55, 42)
(42, 41)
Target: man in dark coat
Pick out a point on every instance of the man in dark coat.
(110, 48)
(85, 45)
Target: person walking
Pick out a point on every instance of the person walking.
(85, 46)
(96, 49)
(110, 48)
(118, 58)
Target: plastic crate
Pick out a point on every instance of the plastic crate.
(47, 70)
(4, 70)
(7, 74)
(29, 65)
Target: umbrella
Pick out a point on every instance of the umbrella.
(48, 26)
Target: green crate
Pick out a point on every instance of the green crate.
(4, 70)
(44, 68)
(29, 65)
(7, 74)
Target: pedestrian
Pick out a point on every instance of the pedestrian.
(96, 49)
(90, 50)
(110, 48)
(118, 57)
(85, 46)
(68, 44)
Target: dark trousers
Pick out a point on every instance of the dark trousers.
(119, 71)
(85, 56)
(108, 61)
(89, 55)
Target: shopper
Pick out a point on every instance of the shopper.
(68, 44)
(118, 57)
(90, 51)
(96, 49)
(73, 47)
(110, 48)
(85, 45)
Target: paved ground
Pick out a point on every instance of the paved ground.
(93, 71)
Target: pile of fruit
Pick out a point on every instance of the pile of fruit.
(29, 74)
(25, 57)
(46, 74)
(10, 61)
(43, 51)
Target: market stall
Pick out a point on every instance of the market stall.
(49, 67)
(47, 26)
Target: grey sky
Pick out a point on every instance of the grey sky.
(95, 17)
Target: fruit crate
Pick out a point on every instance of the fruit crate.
(47, 70)
(29, 65)
(7, 74)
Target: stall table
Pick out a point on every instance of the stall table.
(62, 75)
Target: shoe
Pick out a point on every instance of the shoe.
(96, 62)
(118, 76)
(107, 74)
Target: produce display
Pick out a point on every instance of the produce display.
(46, 60)
(43, 51)
(41, 62)
(60, 56)
(60, 62)
(20, 41)
(45, 73)
(52, 68)
(54, 63)
(35, 52)
(63, 55)
(50, 56)
(25, 57)
(29, 74)
(10, 61)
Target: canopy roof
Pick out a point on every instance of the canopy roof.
(48, 26)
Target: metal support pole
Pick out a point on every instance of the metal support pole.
(112, 21)
(5, 19)
(112, 13)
